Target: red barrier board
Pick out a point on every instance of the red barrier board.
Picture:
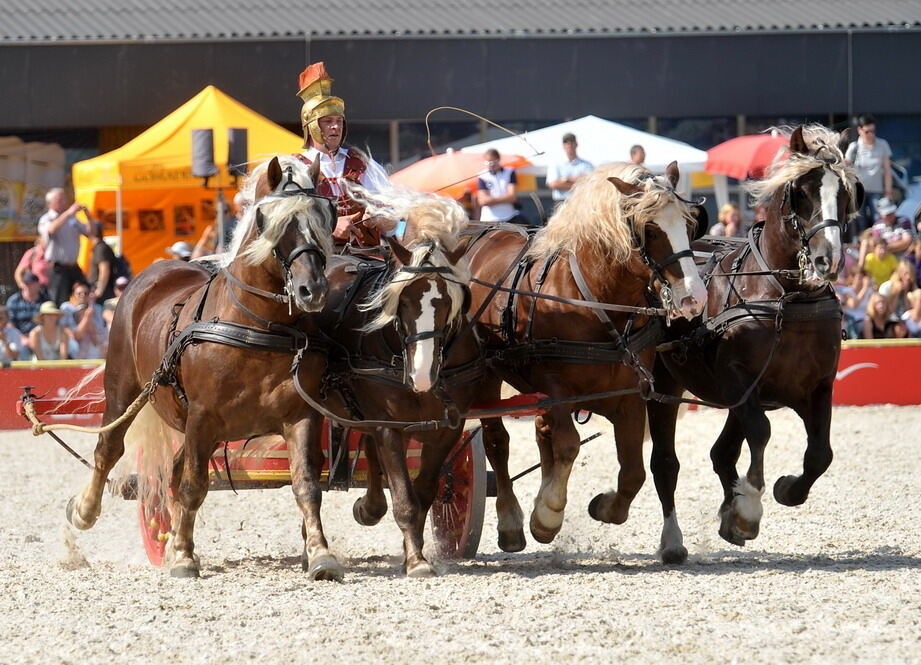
(879, 372)
(52, 381)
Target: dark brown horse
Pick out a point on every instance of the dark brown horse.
(206, 385)
(400, 349)
(620, 226)
(771, 338)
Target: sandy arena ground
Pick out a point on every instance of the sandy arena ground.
(837, 580)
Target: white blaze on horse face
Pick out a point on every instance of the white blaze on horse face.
(690, 293)
(423, 351)
(828, 195)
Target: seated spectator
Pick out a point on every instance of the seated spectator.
(914, 256)
(83, 317)
(34, 261)
(11, 347)
(880, 323)
(876, 258)
(49, 338)
(730, 222)
(853, 289)
(912, 316)
(23, 306)
(898, 286)
(108, 307)
(895, 230)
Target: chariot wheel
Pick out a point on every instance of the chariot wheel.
(156, 522)
(459, 506)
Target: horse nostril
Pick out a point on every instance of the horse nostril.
(304, 293)
(822, 263)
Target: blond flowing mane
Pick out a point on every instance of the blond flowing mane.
(432, 225)
(598, 219)
(277, 213)
(823, 151)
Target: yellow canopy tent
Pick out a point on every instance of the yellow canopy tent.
(145, 192)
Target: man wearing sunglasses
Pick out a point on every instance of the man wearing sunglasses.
(871, 156)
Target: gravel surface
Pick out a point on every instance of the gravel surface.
(836, 580)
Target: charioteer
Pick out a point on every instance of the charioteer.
(325, 128)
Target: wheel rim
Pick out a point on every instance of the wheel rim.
(156, 523)
(457, 512)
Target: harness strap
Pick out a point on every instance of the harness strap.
(587, 294)
(759, 257)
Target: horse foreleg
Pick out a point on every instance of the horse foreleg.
(629, 420)
(556, 432)
(665, 467)
(816, 415)
(406, 508)
(84, 508)
(306, 459)
(370, 508)
(508, 510)
(190, 494)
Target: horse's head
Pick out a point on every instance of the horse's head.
(428, 294)
(813, 194)
(289, 230)
(663, 225)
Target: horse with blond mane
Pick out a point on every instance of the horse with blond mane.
(401, 351)
(770, 337)
(622, 242)
(212, 351)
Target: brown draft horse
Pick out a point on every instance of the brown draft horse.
(773, 339)
(214, 391)
(620, 226)
(400, 349)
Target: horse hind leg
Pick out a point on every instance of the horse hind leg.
(371, 507)
(740, 514)
(84, 508)
(508, 510)
(816, 415)
(306, 460)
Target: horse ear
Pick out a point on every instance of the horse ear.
(402, 254)
(671, 172)
(797, 142)
(844, 139)
(625, 188)
(456, 254)
(274, 174)
(315, 172)
(703, 220)
(860, 195)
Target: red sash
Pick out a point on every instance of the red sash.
(354, 168)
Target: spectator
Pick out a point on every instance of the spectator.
(60, 231)
(496, 192)
(898, 286)
(880, 323)
(638, 155)
(23, 306)
(914, 256)
(730, 222)
(876, 258)
(102, 266)
(49, 339)
(34, 261)
(561, 176)
(871, 157)
(83, 318)
(108, 307)
(912, 317)
(206, 244)
(181, 251)
(895, 230)
(853, 289)
(11, 346)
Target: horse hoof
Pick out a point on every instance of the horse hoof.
(593, 508)
(325, 569)
(73, 516)
(541, 533)
(185, 569)
(421, 570)
(603, 511)
(674, 556)
(363, 517)
(783, 493)
(512, 541)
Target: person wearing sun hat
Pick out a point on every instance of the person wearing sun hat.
(49, 339)
(181, 250)
(895, 230)
(325, 128)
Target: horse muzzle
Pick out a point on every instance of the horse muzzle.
(311, 296)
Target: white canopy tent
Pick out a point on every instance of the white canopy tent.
(600, 142)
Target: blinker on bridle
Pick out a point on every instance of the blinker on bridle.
(804, 255)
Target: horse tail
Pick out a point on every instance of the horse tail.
(150, 446)
(80, 390)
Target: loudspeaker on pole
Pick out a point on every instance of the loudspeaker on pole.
(237, 156)
(203, 165)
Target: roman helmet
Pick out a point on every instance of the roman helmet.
(316, 91)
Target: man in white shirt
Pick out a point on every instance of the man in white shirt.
(563, 175)
(496, 191)
(871, 157)
(325, 127)
(60, 231)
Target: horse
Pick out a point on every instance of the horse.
(771, 337)
(400, 351)
(621, 230)
(183, 336)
